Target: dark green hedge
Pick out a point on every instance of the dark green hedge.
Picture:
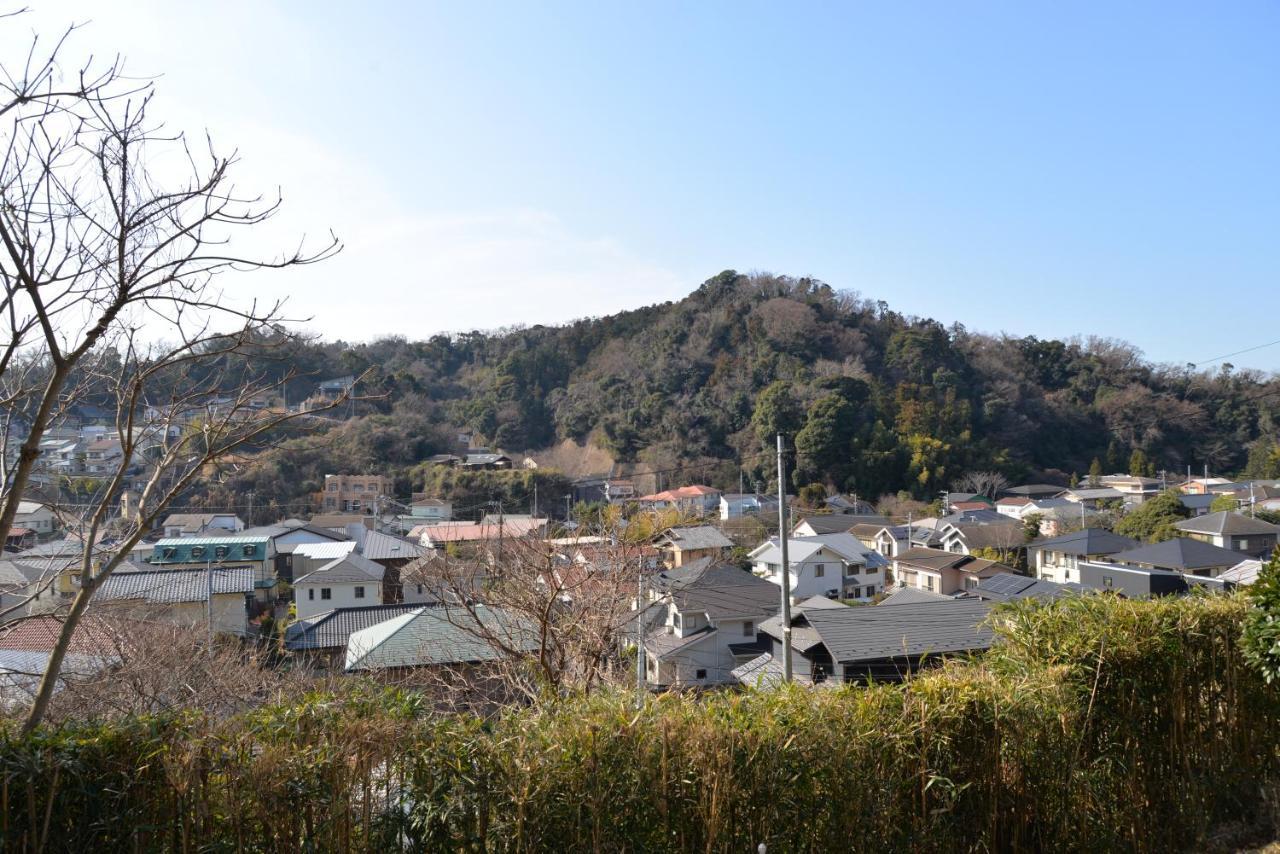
(1098, 724)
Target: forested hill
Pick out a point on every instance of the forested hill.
(880, 401)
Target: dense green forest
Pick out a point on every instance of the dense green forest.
(878, 402)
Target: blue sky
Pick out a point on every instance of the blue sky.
(1049, 169)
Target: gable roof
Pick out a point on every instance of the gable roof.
(1226, 523)
(854, 635)
(1036, 490)
(836, 523)
(437, 634)
(718, 589)
(1179, 554)
(800, 549)
(696, 537)
(912, 596)
(936, 560)
(1089, 541)
(349, 568)
(92, 635)
(331, 629)
(376, 545)
(683, 493)
(172, 586)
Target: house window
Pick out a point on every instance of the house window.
(311, 594)
(419, 589)
(359, 487)
(168, 552)
(247, 550)
(675, 620)
(197, 551)
(819, 570)
(333, 487)
(748, 628)
(928, 582)
(1243, 545)
(1106, 581)
(855, 592)
(870, 570)
(326, 593)
(359, 592)
(700, 673)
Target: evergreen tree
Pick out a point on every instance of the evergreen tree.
(1153, 521)
(1095, 472)
(1261, 636)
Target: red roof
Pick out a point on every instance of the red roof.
(682, 494)
(39, 634)
(20, 532)
(971, 505)
(1010, 502)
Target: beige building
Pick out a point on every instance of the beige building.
(353, 493)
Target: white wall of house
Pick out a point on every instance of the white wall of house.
(37, 517)
(708, 662)
(823, 573)
(311, 598)
(432, 513)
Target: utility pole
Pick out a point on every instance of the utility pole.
(786, 564)
(208, 585)
(640, 609)
(568, 512)
(533, 511)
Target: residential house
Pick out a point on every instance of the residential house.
(26, 588)
(695, 500)
(618, 490)
(201, 524)
(37, 517)
(1034, 491)
(1133, 489)
(481, 459)
(707, 615)
(475, 536)
(686, 544)
(286, 536)
(27, 645)
(256, 553)
(348, 581)
(1181, 554)
(837, 566)
(353, 493)
(1198, 503)
(940, 571)
(1094, 496)
(392, 553)
(849, 504)
(1055, 559)
(19, 539)
(1005, 537)
(338, 522)
(1203, 485)
(322, 638)
(892, 540)
(428, 510)
(735, 505)
(1231, 530)
(103, 456)
(1131, 581)
(182, 596)
(837, 523)
(441, 636)
(884, 644)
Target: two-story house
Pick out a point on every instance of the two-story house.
(427, 510)
(706, 617)
(837, 566)
(684, 545)
(1231, 530)
(256, 553)
(1057, 559)
(940, 571)
(695, 500)
(348, 581)
(201, 524)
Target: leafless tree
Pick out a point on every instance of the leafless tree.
(112, 293)
(564, 610)
(988, 483)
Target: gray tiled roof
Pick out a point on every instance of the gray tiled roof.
(834, 523)
(331, 629)
(872, 634)
(352, 568)
(912, 596)
(1226, 522)
(175, 585)
(376, 545)
(661, 643)
(1180, 553)
(439, 634)
(697, 537)
(719, 589)
(1090, 541)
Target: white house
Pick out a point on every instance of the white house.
(36, 516)
(703, 619)
(833, 565)
(427, 510)
(344, 582)
(734, 505)
(201, 524)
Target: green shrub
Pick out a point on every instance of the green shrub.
(1096, 724)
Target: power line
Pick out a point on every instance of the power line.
(1236, 353)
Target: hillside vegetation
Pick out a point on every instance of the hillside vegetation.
(880, 402)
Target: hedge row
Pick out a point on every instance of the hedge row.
(1097, 724)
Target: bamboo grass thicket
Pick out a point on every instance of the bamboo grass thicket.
(1095, 724)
